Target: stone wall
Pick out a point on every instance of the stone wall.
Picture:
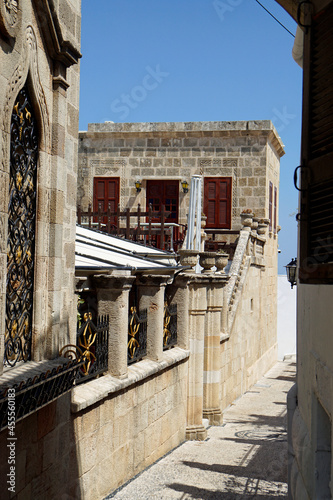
(310, 405)
(249, 343)
(37, 51)
(121, 435)
(105, 440)
(248, 152)
(112, 427)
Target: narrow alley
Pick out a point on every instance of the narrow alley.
(244, 458)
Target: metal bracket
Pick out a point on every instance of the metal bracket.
(295, 178)
(306, 26)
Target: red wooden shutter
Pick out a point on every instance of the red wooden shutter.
(316, 205)
(171, 195)
(106, 194)
(210, 199)
(112, 194)
(217, 202)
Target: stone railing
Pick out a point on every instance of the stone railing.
(249, 251)
(237, 273)
(256, 246)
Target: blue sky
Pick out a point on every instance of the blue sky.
(215, 60)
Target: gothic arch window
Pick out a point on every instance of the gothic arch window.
(21, 230)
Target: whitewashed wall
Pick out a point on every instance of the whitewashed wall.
(286, 324)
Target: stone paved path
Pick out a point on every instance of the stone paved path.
(244, 458)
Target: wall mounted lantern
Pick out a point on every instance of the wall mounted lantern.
(185, 186)
(292, 272)
(138, 186)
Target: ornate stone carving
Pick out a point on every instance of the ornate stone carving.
(28, 64)
(10, 17)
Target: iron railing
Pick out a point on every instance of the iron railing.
(137, 335)
(148, 227)
(92, 347)
(170, 325)
(37, 391)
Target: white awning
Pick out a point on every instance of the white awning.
(98, 250)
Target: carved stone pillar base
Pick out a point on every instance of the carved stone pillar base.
(214, 415)
(196, 433)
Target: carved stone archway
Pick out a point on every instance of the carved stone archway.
(26, 74)
(27, 69)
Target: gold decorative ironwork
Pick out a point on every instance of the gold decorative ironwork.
(27, 115)
(86, 341)
(169, 325)
(166, 331)
(134, 326)
(137, 335)
(19, 180)
(91, 348)
(21, 230)
(84, 349)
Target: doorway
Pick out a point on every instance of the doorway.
(164, 192)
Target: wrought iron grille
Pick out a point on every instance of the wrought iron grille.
(21, 231)
(38, 391)
(92, 347)
(170, 325)
(137, 335)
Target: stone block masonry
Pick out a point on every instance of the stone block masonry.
(246, 151)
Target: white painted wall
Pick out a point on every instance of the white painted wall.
(286, 321)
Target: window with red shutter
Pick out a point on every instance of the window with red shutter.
(217, 202)
(106, 195)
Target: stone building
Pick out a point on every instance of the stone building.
(310, 402)
(238, 161)
(86, 442)
(39, 110)
(39, 96)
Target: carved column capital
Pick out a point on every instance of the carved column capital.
(114, 282)
(153, 280)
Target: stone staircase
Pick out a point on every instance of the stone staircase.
(249, 251)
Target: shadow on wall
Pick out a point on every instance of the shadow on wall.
(46, 461)
(286, 314)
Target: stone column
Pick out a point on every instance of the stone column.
(180, 296)
(112, 297)
(224, 314)
(151, 290)
(197, 312)
(212, 358)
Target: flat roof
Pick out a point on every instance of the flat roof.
(239, 128)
